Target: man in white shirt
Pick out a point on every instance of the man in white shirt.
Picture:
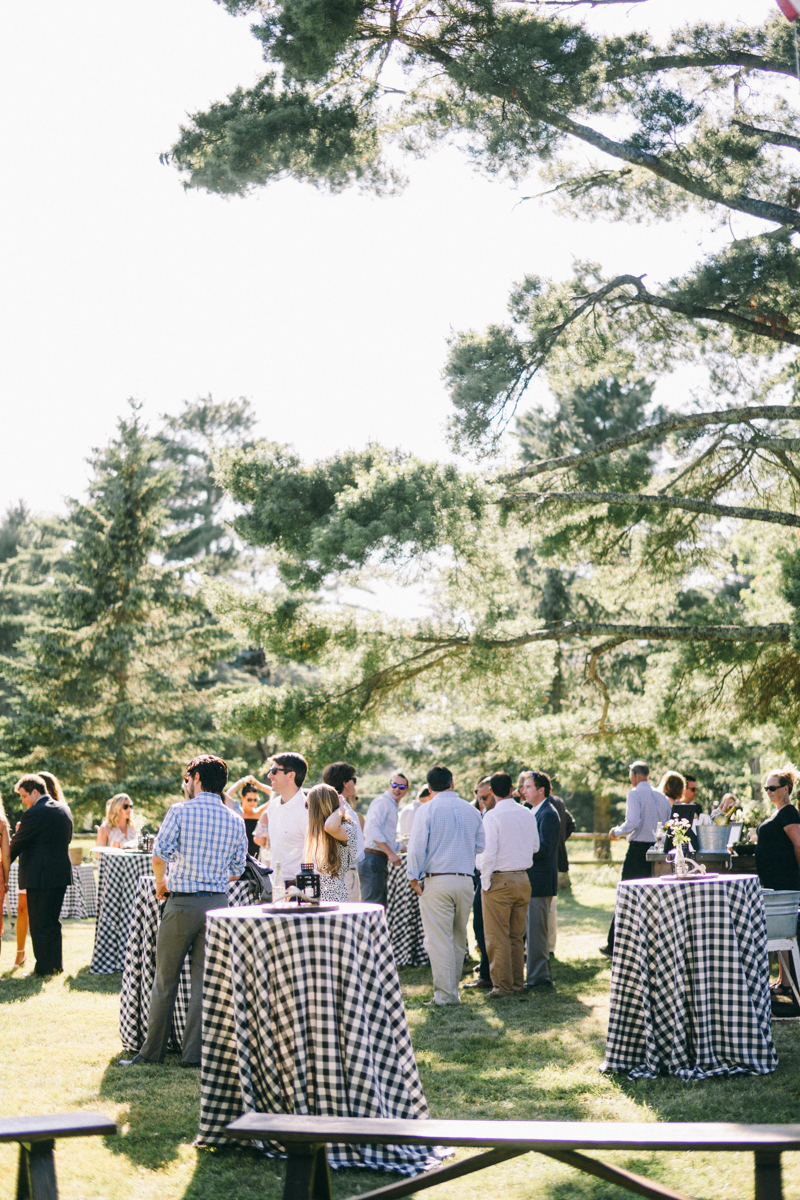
(286, 816)
(644, 809)
(512, 839)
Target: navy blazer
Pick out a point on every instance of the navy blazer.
(41, 842)
(543, 874)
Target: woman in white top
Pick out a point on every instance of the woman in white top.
(118, 829)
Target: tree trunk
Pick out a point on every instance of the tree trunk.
(602, 824)
(755, 778)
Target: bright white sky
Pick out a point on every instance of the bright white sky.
(330, 313)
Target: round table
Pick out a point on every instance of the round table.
(140, 967)
(118, 880)
(690, 979)
(302, 1013)
(404, 919)
(80, 898)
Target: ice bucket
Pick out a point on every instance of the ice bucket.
(712, 837)
(781, 909)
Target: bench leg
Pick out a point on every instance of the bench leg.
(769, 1185)
(36, 1175)
(307, 1173)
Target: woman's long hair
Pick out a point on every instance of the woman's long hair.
(54, 788)
(320, 848)
(3, 817)
(114, 808)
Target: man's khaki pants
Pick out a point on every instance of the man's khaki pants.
(445, 905)
(505, 910)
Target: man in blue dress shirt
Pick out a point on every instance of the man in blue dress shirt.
(446, 835)
(380, 840)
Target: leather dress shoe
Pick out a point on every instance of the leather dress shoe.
(479, 983)
(136, 1061)
(191, 1066)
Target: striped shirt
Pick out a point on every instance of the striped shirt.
(204, 842)
(445, 837)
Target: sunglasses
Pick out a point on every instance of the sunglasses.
(776, 787)
(127, 806)
(276, 771)
(399, 787)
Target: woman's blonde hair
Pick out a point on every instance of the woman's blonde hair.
(320, 848)
(672, 785)
(54, 788)
(114, 808)
(788, 775)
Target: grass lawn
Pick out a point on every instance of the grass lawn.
(531, 1058)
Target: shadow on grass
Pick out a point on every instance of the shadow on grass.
(84, 982)
(245, 1174)
(588, 1187)
(16, 988)
(161, 1103)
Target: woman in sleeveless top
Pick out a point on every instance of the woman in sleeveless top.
(331, 843)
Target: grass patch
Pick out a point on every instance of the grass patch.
(524, 1058)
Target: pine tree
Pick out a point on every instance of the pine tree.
(108, 678)
(199, 535)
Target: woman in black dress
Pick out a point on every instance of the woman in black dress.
(778, 845)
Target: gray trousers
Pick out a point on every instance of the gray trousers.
(538, 964)
(182, 931)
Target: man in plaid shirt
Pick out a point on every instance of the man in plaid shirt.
(200, 848)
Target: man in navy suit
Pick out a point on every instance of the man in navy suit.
(543, 875)
(41, 844)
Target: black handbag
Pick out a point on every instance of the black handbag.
(258, 876)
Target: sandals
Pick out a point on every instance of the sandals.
(781, 989)
(20, 962)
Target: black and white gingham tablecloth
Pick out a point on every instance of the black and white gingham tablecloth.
(690, 980)
(304, 1014)
(140, 967)
(404, 919)
(80, 898)
(117, 884)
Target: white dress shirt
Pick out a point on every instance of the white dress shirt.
(644, 809)
(512, 839)
(287, 825)
(406, 819)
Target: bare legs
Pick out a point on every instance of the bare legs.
(22, 928)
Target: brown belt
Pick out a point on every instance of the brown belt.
(369, 850)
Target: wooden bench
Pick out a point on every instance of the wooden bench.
(307, 1176)
(36, 1176)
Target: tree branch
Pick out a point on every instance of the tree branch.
(768, 135)
(725, 416)
(772, 326)
(559, 631)
(780, 213)
(636, 499)
(677, 62)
